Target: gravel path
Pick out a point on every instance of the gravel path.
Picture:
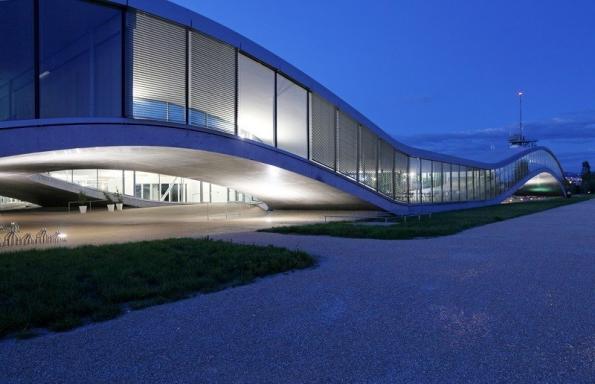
(511, 302)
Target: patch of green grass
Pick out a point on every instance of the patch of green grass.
(62, 288)
(440, 224)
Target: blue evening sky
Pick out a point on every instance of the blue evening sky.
(441, 75)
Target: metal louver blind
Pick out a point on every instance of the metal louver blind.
(212, 83)
(156, 64)
(385, 168)
(347, 146)
(322, 132)
(368, 157)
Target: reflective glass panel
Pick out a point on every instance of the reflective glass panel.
(292, 117)
(436, 182)
(401, 176)
(414, 180)
(81, 59)
(17, 90)
(426, 181)
(256, 101)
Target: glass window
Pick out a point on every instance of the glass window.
(476, 184)
(292, 117)
(256, 101)
(85, 177)
(212, 84)
(218, 194)
(480, 184)
(455, 194)
(401, 170)
(17, 89)
(446, 182)
(323, 129)
(128, 183)
(205, 192)
(463, 183)
(110, 180)
(368, 158)
(414, 180)
(436, 182)
(426, 181)
(81, 59)
(385, 169)
(192, 191)
(147, 186)
(157, 60)
(347, 134)
(470, 184)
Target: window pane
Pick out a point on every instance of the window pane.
(470, 184)
(256, 101)
(128, 183)
(463, 183)
(446, 182)
(436, 182)
(17, 93)
(212, 83)
(414, 180)
(426, 181)
(477, 184)
(292, 117)
(455, 194)
(401, 171)
(81, 59)
(385, 168)
(85, 177)
(368, 157)
(322, 131)
(347, 132)
(157, 61)
(109, 180)
(218, 194)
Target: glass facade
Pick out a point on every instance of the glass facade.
(368, 158)
(401, 177)
(386, 164)
(446, 183)
(212, 83)
(426, 181)
(156, 62)
(151, 186)
(256, 101)
(17, 60)
(347, 139)
(292, 117)
(100, 60)
(80, 59)
(437, 182)
(414, 180)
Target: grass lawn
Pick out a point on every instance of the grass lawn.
(62, 288)
(440, 224)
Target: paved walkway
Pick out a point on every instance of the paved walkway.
(101, 227)
(512, 302)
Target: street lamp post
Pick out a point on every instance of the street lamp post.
(520, 94)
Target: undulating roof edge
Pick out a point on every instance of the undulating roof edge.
(191, 19)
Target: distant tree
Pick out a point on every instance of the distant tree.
(588, 183)
(586, 171)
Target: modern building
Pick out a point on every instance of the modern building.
(151, 100)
